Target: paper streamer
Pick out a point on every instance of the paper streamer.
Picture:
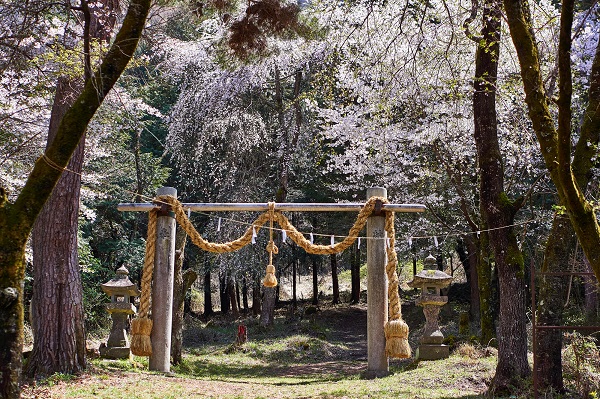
(358, 242)
(332, 241)
(253, 235)
(283, 235)
(311, 238)
(435, 241)
(410, 241)
(219, 225)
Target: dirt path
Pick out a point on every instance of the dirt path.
(348, 325)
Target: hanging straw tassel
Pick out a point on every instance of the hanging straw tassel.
(270, 280)
(396, 339)
(141, 327)
(396, 329)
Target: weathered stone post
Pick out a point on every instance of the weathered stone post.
(377, 285)
(162, 287)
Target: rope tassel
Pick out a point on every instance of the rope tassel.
(396, 329)
(141, 327)
(270, 280)
(396, 339)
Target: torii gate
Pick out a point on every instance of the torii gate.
(377, 282)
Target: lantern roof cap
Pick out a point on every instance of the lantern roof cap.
(430, 263)
(121, 285)
(430, 276)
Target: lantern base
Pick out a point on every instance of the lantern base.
(432, 352)
(115, 352)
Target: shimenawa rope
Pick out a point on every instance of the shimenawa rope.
(396, 330)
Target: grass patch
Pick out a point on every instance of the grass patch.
(320, 357)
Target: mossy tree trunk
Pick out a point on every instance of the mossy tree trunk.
(554, 136)
(591, 287)
(550, 303)
(17, 219)
(562, 239)
(498, 211)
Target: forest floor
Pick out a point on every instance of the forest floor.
(322, 355)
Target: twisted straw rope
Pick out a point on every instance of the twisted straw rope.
(353, 233)
(395, 312)
(196, 238)
(293, 233)
(148, 264)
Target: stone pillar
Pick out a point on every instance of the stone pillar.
(377, 284)
(162, 288)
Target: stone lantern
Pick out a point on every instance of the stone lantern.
(431, 281)
(121, 291)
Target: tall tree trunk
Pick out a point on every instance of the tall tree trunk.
(294, 276)
(237, 294)
(498, 210)
(208, 305)
(486, 297)
(334, 279)
(224, 293)
(469, 255)
(256, 301)
(12, 275)
(232, 296)
(315, 280)
(57, 302)
(591, 293)
(245, 294)
(287, 145)
(355, 273)
(17, 219)
(266, 315)
(551, 299)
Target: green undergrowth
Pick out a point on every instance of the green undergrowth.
(321, 356)
(296, 358)
(242, 375)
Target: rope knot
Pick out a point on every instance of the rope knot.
(272, 248)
